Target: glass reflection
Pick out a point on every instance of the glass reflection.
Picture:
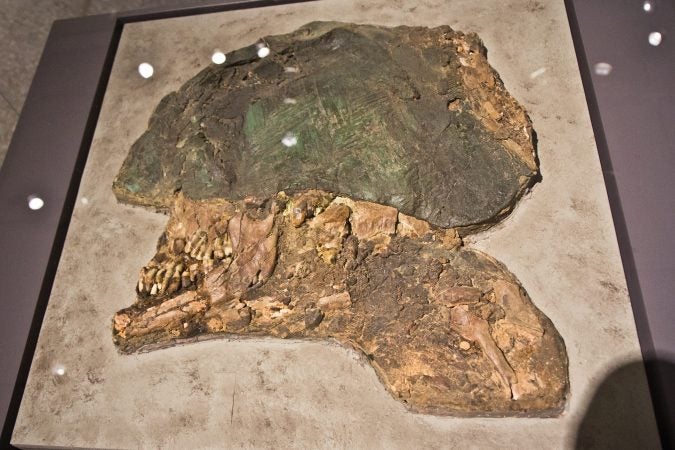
(655, 38)
(218, 57)
(145, 70)
(263, 50)
(59, 370)
(603, 68)
(289, 139)
(537, 73)
(35, 202)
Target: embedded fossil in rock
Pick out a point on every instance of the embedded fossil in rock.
(409, 117)
(447, 329)
(403, 140)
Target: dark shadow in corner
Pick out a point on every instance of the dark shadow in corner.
(620, 414)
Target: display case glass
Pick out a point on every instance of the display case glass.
(554, 236)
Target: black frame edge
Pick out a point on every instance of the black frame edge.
(24, 151)
(653, 370)
(657, 371)
(66, 205)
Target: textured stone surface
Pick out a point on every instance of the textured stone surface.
(447, 329)
(409, 117)
(299, 393)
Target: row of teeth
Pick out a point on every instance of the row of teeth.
(170, 276)
(200, 249)
(167, 278)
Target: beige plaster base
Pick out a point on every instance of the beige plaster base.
(271, 393)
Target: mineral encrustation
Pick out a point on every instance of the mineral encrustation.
(409, 117)
(448, 329)
(321, 192)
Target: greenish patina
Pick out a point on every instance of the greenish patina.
(387, 115)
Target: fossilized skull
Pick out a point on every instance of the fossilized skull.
(404, 139)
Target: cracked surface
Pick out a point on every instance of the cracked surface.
(410, 117)
(403, 139)
(447, 329)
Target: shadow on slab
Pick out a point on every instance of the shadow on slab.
(621, 413)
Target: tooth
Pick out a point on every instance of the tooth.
(199, 254)
(194, 242)
(227, 245)
(185, 279)
(141, 277)
(167, 277)
(193, 271)
(174, 283)
(218, 251)
(198, 246)
(149, 277)
(160, 275)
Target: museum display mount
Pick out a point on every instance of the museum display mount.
(103, 231)
(405, 140)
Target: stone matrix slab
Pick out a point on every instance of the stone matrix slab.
(268, 392)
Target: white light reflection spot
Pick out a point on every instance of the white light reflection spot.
(35, 202)
(84, 200)
(289, 140)
(655, 38)
(218, 57)
(648, 6)
(537, 73)
(263, 50)
(59, 370)
(290, 101)
(146, 70)
(603, 69)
